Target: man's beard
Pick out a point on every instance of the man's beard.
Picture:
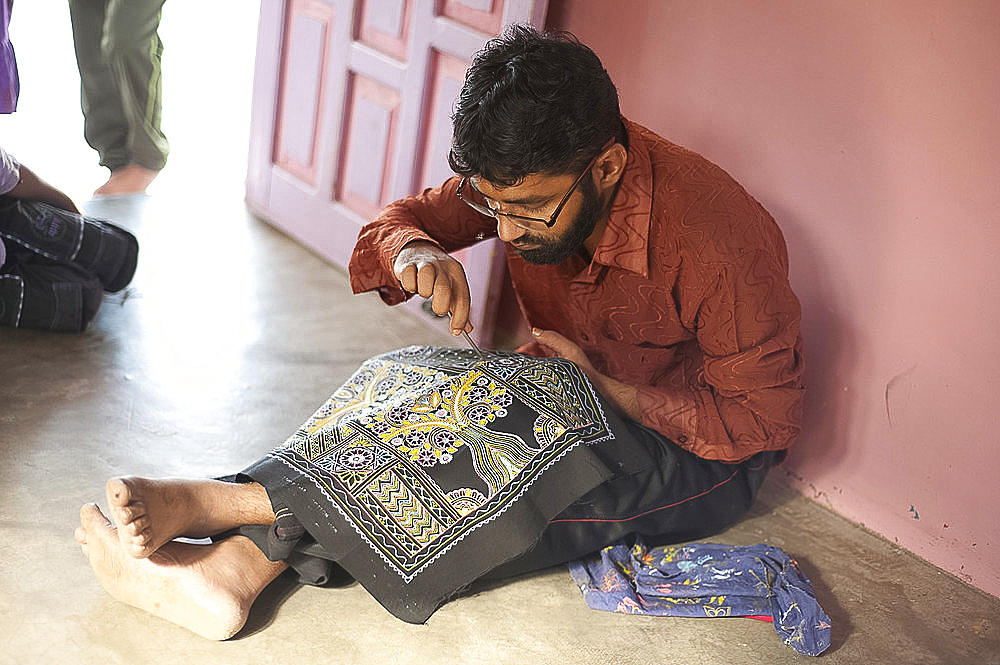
(550, 252)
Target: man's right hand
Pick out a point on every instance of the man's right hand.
(425, 269)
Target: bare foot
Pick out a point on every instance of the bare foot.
(207, 589)
(151, 512)
(131, 179)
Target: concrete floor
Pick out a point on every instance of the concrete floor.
(228, 339)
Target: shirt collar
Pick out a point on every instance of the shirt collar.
(624, 243)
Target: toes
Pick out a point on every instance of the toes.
(118, 492)
(92, 519)
(137, 524)
(139, 543)
(94, 528)
(138, 532)
(132, 516)
(126, 510)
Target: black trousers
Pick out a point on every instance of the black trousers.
(678, 497)
(681, 498)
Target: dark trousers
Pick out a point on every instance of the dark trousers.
(682, 497)
(118, 54)
(678, 497)
(41, 294)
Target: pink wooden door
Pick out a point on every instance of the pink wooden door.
(351, 110)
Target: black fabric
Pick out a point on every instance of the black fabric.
(416, 599)
(431, 466)
(42, 294)
(680, 498)
(96, 246)
(286, 540)
(668, 496)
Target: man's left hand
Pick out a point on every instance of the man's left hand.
(622, 395)
(562, 347)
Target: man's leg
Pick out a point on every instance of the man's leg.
(133, 50)
(207, 589)
(104, 124)
(680, 498)
(151, 512)
(37, 292)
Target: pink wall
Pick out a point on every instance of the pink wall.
(871, 130)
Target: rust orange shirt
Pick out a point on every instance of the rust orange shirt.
(687, 295)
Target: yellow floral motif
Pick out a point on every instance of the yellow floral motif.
(717, 611)
(669, 553)
(430, 433)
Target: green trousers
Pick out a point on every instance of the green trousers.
(118, 53)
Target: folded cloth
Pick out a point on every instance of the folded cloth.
(706, 579)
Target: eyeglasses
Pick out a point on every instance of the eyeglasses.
(492, 207)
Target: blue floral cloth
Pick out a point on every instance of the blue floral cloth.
(707, 580)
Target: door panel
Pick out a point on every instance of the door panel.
(351, 110)
(307, 38)
(362, 181)
(385, 26)
(447, 74)
(483, 15)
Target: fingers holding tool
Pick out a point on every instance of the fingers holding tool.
(427, 270)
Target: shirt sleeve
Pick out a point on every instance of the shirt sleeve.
(745, 394)
(10, 172)
(436, 215)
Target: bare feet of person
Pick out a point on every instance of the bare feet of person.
(131, 179)
(150, 512)
(207, 589)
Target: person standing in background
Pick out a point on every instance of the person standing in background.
(118, 53)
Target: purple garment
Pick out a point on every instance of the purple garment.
(707, 579)
(10, 87)
(10, 171)
(10, 175)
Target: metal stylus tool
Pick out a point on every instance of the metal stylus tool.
(472, 343)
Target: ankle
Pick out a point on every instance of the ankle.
(237, 504)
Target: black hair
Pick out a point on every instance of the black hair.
(532, 103)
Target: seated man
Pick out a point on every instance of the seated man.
(662, 382)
